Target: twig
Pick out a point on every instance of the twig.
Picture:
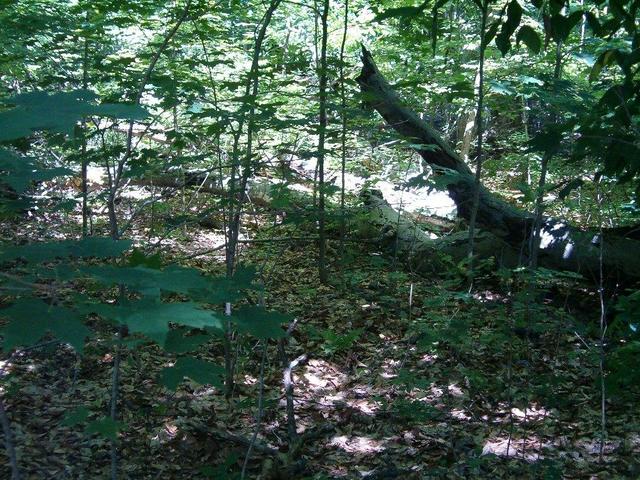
(8, 442)
(292, 429)
(603, 332)
(259, 415)
(288, 389)
(114, 403)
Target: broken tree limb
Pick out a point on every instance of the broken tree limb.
(562, 246)
(398, 233)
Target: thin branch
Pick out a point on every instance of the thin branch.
(8, 442)
(259, 414)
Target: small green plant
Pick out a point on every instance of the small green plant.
(335, 342)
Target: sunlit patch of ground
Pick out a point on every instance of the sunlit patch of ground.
(359, 445)
(529, 449)
(166, 433)
(320, 376)
(390, 368)
(533, 413)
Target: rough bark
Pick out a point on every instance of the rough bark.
(562, 246)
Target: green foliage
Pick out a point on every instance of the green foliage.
(259, 322)
(58, 112)
(415, 411)
(94, 247)
(199, 371)
(334, 342)
(180, 340)
(197, 120)
(76, 416)
(530, 38)
(402, 12)
(31, 319)
(105, 427)
(21, 172)
(514, 15)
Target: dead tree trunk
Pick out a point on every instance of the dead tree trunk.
(562, 246)
(398, 233)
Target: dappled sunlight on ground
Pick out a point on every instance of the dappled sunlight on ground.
(533, 413)
(364, 406)
(427, 359)
(459, 414)
(455, 391)
(165, 434)
(319, 375)
(390, 368)
(357, 444)
(530, 414)
(528, 449)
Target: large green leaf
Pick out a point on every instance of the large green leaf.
(170, 279)
(58, 112)
(20, 172)
(98, 247)
(514, 15)
(561, 26)
(200, 371)
(151, 317)
(530, 38)
(180, 341)
(259, 322)
(105, 427)
(30, 319)
(402, 12)
(76, 416)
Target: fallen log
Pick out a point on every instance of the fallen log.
(562, 246)
(404, 238)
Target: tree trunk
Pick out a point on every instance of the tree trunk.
(562, 246)
(398, 233)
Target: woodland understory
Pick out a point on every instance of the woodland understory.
(491, 401)
(351, 239)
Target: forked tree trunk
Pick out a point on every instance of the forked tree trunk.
(562, 246)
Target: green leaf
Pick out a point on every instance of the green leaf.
(180, 341)
(139, 259)
(58, 112)
(200, 371)
(561, 26)
(605, 59)
(22, 172)
(514, 15)
(76, 416)
(151, 317)
(569, 187)
(30, 319)
(105, 427)
(491, 32)
(402, 12)
(415, 411)
(259, 322)
(222, 471)
(443, 178)
(501, 88)
(530, 38)
(594, 24)
(548, 141)
(98, 247)
(502, 41)
(171, 279)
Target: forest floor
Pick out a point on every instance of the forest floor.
(403, 377)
